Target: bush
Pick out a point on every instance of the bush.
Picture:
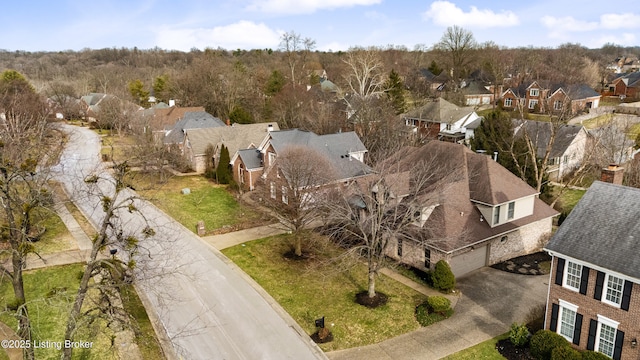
(439, 304)
(544, 341)
(519, 334)
(565, 353)
(426, 316)
(442, 277)
(592, 355)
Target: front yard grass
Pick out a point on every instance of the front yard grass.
(597, 121)
(569, 198)
(485, 350)
(314, 288)
(206, 201)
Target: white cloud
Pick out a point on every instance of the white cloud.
(620, 21)
(561, 26)
(304, 6)
(445, 13)
(624, 39)
(240, 35)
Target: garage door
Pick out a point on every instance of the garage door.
(469, 261)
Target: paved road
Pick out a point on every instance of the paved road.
(206, 306)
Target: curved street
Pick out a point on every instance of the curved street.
(206, 307)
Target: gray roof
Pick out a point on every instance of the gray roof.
(440, 111)
(234, 137)
(540, 134)
(251, 158)
(603, 229)
(475, 88)
(335, 147)
(191, 120)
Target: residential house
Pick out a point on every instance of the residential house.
(91, 105)
(343, 150)
(624, 64)
(159, 119)
(432, 81)
(483, 214)
(190, 120)
(567, 150)
(625, 86)
(594, 289)
(476, 94)
(440, 119)
(234, 137)
(539, 96)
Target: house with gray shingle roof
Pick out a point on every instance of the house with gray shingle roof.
(440, 119)
(626, 85)
(344, 151)
(567, 149)
(190, 120)
(235, 137)
(484, 214)
(594, 292)
(544, 96)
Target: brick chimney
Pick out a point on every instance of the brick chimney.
(612, 174)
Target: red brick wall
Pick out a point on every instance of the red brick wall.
(590, 308)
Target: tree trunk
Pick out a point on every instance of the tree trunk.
(373, 269)
(24, 329)
(75, 312)
(298, 245)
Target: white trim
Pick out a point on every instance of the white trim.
(566, 272)
(605, 320)
(593, 266)
(602, 320)
(568, 305)
(605, 287)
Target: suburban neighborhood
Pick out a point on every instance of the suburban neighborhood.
(458, 200)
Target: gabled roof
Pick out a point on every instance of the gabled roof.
(440, 111)
(540, 133)
(251, 158)
(234, 137)
(165, 118)
(431, 77)
(93, 98)
(475, 88)
(191, 120)
(603, 229)
(629, 79)
(335, 147)
(456, 222)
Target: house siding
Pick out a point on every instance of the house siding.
(590, 308)
(526, 240)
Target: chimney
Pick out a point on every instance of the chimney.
(495, 156)
(270, 127)
(228, 122)
(172, 103)
(612, 174)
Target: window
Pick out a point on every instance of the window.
(508, 102)
(565, 159)
(511, 210)
(533, 103)
(613, 295)
(606, 336)
(285, 197)
(448, 127)
(272, 190)
(272, 157)
(496, 215)
(400, 247)
(534, 92)
(567, 317)
(573, 276)
(427, 258)
(557, 105)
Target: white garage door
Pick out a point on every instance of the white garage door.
(469, 261)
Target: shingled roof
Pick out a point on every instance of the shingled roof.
(335, 147)
(440, 111)
(234, 137)
(191, 120)
(456, 222)
(540, 133)
(603, 229)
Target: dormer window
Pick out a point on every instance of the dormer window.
(511, 210)
(496, 215)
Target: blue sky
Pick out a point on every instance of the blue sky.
(44, 25)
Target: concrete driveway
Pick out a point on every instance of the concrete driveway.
(491, 301)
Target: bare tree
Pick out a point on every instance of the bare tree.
(296, 50)
(294, 188)
(391, 204)
(107, 274)
(459, 44)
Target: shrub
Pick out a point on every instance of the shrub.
(442, 277)
(426, 316)
(565, 353)
(592, 355)
(439, 304)
(544, 341)
(519, 334)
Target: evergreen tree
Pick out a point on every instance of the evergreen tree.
(240, 116)
(434, 68)
(395, 92)
(223, 173)
(275, 83)
(139, 94)
(160, 88)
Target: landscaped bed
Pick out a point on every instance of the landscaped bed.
(316, 287)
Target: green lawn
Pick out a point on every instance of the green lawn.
(56, 237)
(485, 350)
(569, 199)
(598, 121)
(310, 289)
(49, 292)
(207, 201)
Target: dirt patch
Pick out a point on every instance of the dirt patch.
(532, 264)
(379, 299)
(512, 352)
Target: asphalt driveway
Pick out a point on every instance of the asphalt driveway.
(491, 301)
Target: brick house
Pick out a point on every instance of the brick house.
(343, 150)
(625, 85)
(442, 120)
(483, 216)
(594, 290)
(539, 96)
